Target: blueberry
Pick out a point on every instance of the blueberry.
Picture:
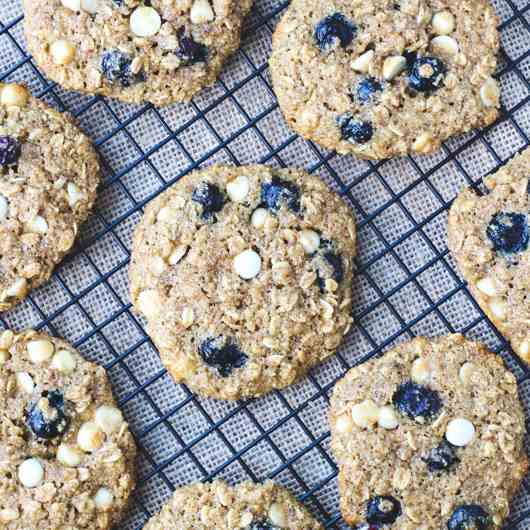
(383, 510)
(47, 418)
(278, 192)
(328, 264)
(416, 401)
(116, 67)
(469, 517)
(259, 525)
(222, 354)
(189, 51)
(442, 457)
(425, 74)
(509, 232)
(211, 199)
(9, 150)
(368, 89)
(355, 131)
(333, 30)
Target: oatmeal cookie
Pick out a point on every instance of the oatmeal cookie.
(50, 173)
(429, 436)
(387, 77)
(247, 506)
(160, 51)
(66, 452)
(244, 275)
(489, 239)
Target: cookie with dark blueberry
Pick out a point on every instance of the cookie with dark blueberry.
(225, 259)
(412, 447)
(386, 80)
(137, 52)
(488, 236)
(48, 418)
(9, 151)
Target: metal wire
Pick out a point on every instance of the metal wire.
(108, 229)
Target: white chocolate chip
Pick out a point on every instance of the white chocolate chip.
(421, 371)
(247, 264)
(387, 418)
(443, 23)
(149, 303)
(62, 52)
(201, 12)
(30, 473)
(362, 63)
(460, 432)
(64, 361)
(365, 414)
(103, 499)
(166, 214)
(499, 308)
(109, 419)
(4, 208)
(74, 5)
(17, 288)
(74, 194)
(393, 66)
(238, 189)
(90, 437)
(488, 286)
(277, 515)
(69, 456)
(25, 382)
(344, 424)
(445, 45)
(310, 240)
(466, 372)
(157, 265)
(90, 6)
(490, 93)
(145, 21)
(40, 351)
(14, 95)
(258, 217)
(37, 225)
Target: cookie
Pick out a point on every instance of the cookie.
(387, 77)
(66, 452)
(160, 51)
(49, 175)
(247, 506)
(244, 275)
(489, 240)
(429, 436)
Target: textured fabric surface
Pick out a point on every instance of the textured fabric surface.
(407, 283)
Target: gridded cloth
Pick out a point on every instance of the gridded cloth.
(407, 282)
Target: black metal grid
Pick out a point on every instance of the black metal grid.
(87, 301)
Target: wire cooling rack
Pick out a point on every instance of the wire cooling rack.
(407, 282)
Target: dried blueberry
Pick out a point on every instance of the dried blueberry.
(425, 74)
(416, 401)
(328, 264)
(334, 30)
(442, 457)
(355, 131)
(278, 192)
(211, 199)
(509, 232)
(222, 354)
(116, 67)
(9, 150)
(469, 517)
(47, 418)
(259, 525)
(190, 51)
(383, 510)
(367, 90)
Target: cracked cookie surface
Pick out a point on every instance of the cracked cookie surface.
(428, 436)
(49, 175)
(244, 275)
(489, 238)
(386, 78)
(159, 52)
(67, 456)
(247, 506)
